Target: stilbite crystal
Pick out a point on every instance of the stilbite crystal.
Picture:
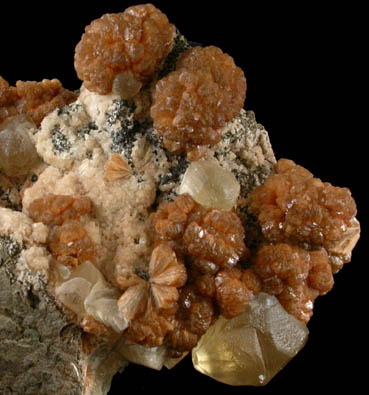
(251, 348)
(210, 185)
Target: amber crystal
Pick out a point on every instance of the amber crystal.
(251, 348)
(293, 206)
(17, 151)
(123, 49)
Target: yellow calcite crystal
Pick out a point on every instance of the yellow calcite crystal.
(210, 185)
(17, 152)
(251, 348)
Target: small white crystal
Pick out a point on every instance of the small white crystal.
(88, 271)
(73, 293)
(153, 357)
(253, 347)
(85, 292)
(210, 185)
(102, 304)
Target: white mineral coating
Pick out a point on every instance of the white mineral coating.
(102, 305)
(210, 185)
(253, 347)
(153, 357)
(17, 151)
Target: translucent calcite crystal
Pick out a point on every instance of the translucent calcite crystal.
(251, 348)
(17, 151)
(85, 292)
(210, 185)
(151, 357)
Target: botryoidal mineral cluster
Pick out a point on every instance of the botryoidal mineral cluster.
(145, 218)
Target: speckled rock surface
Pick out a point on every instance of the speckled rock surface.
(39, 349)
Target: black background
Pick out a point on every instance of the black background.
(303, 68)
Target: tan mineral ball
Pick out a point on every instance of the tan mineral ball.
(210, 185)
(253, 347)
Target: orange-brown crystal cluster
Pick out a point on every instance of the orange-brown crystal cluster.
(211, 244)
(8, 97)
(295, 276)
(192, 104)
(35, 99)
(294, 207)
(213, 238)
(68, 240)
(302, 219)
(128, 46)
(151, 297)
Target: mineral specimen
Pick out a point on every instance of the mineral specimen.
(144, 217)
(123, 49)
(252, 348)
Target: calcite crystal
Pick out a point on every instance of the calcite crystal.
(145, 216)
(252, 348)
(17, 151)
(201, 181)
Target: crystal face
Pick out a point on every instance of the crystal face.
(251, 348)
(210, 185)
(17, 152)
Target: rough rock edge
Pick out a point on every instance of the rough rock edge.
(41, 352)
